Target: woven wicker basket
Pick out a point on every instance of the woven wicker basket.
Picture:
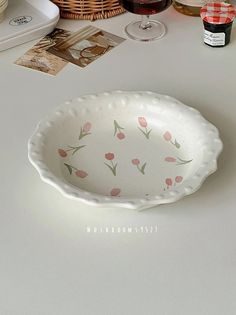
(88, 9)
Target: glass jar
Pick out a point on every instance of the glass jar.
(190, 7)
(217, 20)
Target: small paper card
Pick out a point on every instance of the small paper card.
(85, 46)
(38, 58)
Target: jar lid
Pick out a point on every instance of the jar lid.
(218, 13)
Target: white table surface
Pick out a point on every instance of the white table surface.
(49, 263)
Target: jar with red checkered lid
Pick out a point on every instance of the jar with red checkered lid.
(217, 20)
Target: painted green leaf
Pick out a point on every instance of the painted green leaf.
(145, 134)
(183, 161)
(69, 168)
(177, 144)
(85, 134)
(111, 168)
(116, 127)
(78, 148)
(81, 133)
(143, 168)
(114, 172)
(148, 133)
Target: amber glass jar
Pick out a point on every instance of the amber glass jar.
(190, 7)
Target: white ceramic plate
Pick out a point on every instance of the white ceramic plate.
(126, 149)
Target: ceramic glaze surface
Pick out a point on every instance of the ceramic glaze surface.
(127, 149)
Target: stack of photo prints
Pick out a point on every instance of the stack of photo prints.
(54, 51)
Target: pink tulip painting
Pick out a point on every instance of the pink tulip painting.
(87, 127)
(177, 160)
(112, 166)
(143, 124)
(141, 168)
(109, 156)
(115, 192)
(170, 159)
(85, 130)
(168, 137)
(118, 131)
(81, 174)
(135, 161)
(170, 182)
(178, 179)
(78, 173)
(63, 153)
(120, 135)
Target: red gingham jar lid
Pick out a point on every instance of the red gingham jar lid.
(218, 13)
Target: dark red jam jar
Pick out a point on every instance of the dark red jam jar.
(217, 20)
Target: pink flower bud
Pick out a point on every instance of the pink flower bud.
(62, 152)
(135, 161)
(142, 121)
(167, 136)
(169, 182)
(87, 126)
(115, 192)
(170, 159)
(120, 135)
(178, 179)
(81, 174)
(109, 156)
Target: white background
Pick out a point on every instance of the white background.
(49, 264)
